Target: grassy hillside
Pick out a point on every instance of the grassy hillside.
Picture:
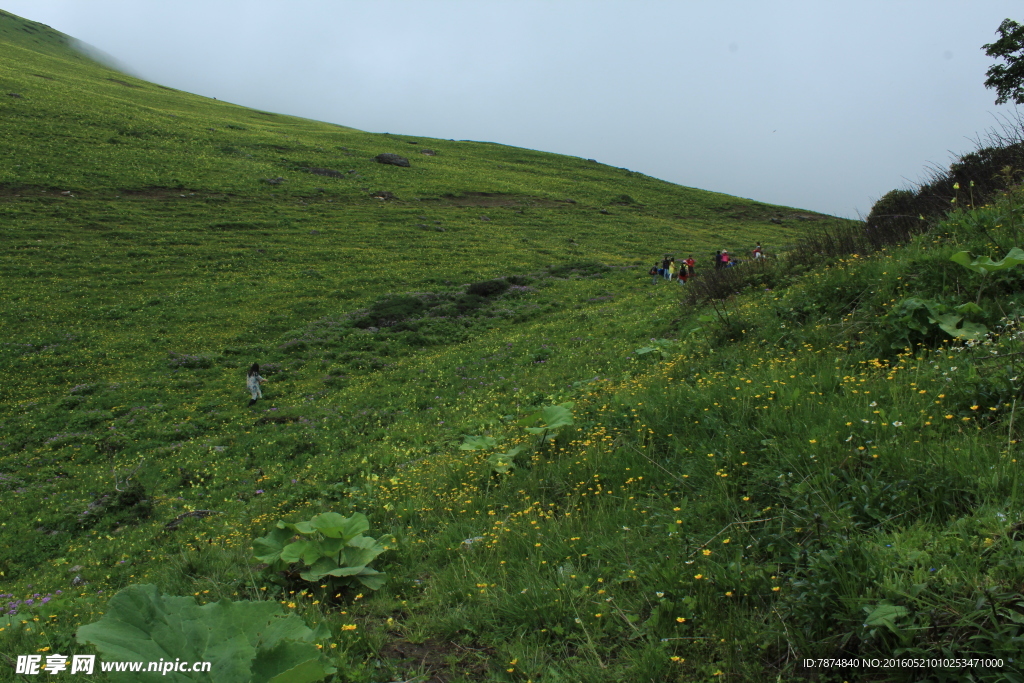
(577, 474)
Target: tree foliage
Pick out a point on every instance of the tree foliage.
(1007, 79)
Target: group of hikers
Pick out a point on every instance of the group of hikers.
(686, 268)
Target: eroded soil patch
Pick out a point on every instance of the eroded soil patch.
(441, 662)
(497, 199)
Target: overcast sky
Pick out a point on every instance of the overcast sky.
(817, 104)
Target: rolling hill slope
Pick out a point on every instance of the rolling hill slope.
(578, 474)
(132, 177)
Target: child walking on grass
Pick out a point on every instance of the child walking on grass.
(252, 382)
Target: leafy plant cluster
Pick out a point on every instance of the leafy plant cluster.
(547, 423)
(926, 321)
(329, 547)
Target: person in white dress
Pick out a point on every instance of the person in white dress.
(252, 382)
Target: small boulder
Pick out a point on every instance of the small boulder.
(428, 152)
(392, 159)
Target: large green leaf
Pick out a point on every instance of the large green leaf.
(948, 323)
(503, 462)
(972, 331)
(278, 629)
(362, 556)
(334, 546)
(333, 525)
(326, 566)
(293, 552)
(553, 418)
(984, 264)
(663, 346)
(142, 625)
(969, 308)
(908, 310)
(304, 528)
(268, 549)
(372, 578)
(344, 571)
(278, 665)
(368, 543)
(914, 312)
(478, 443)
(530, 419)
(884, 614)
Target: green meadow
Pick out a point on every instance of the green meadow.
(567, 472)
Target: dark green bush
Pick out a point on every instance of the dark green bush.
(584, 269)
(188, 360)
(488, 287)
(468, 303)
(391, 310)
(129, 505)
(896, 215)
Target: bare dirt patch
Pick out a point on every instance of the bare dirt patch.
(153, 193)
(166, 193)
(746, 212)
(496, 199)
(14, 192)
(124, 83)
(441, 662)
